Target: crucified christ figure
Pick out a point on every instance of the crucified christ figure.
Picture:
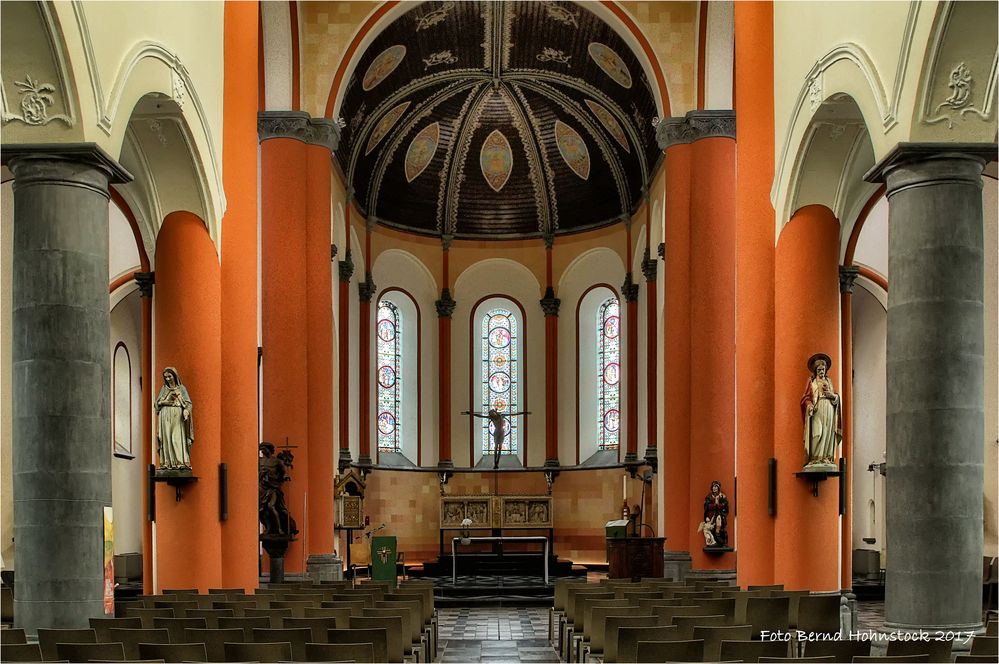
(497, 419)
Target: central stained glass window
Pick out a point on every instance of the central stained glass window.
(389, 336)
(609, 375)
(500, 390)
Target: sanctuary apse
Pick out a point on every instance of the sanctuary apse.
(624, 227)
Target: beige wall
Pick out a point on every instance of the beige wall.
(127, 475)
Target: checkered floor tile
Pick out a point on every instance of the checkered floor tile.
(495, 635)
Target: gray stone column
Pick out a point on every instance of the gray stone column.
(61, 380)
(935, 385)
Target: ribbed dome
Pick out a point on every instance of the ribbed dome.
(495, 120)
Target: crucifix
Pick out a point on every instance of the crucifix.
(498, 420)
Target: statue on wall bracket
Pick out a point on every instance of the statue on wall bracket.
(821, 414)
(175, 429)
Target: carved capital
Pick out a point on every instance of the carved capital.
(549, 239)
(550, 303)
(299, 126)
(145, 280)
(445, 306)
(446, 240)
(629, 289)
(366, 288)
(847, 275)
(346, 267)
(662, 250)
(333, 252)
(695, 126)
(649, 267)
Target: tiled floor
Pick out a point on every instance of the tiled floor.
(495, 635)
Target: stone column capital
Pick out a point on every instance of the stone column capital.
(300, 126)
(847, 276)
(694, 126)
(917, 164)
(649, 266)
(629, 289)
(549, 303)
(84, 165)
(145, 280)
(346, 266)
(366, 289)
(446, 304)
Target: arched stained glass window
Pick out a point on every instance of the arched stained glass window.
(609, 375)
(389, 338)
(499, 376)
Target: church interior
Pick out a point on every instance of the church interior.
(544, 330)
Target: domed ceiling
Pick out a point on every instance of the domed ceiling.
(497, 120)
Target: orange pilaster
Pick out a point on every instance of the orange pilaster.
(712, 333)
(676, 347)
(366, 289)
(445, 307)
(649, 268)
(345, 269)
(754, 289)
(550, 305)
(188, 337)
(239, 296)
(807, 529)
(319, 324)
(284, 210)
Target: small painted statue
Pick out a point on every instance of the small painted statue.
(716, 514)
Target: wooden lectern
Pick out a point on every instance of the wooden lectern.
(635, 557)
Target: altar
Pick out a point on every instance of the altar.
(496, 514)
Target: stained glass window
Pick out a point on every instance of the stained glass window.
(499, 376)
(609, 375)
(389, 337)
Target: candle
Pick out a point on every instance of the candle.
(624, 487)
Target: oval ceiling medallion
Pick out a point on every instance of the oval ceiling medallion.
(573, 149)
(609, 61)
(383, 65)
(421, 150)
(496, 160)
(387, 122)
(610, 124)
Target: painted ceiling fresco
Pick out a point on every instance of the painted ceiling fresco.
(497, 120)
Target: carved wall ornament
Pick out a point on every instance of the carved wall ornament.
(847, 276)
(36, 98)
(156, 127)
(959, 102)
(145, 281)
(439, 58)
(629, 289)
(649, 266)
(695, 126)
(814, 93)
(179, 88)
(430, 19)
(561, 14)
(554, 55)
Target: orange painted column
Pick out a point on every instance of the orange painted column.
(712, 334)
(847, 277)
(806, 308)
(319, 301)
(188, 338)
(550, 306)
(284, 210)
(649, 269)
(366, 291)
(676, 347)
(239, 297)
(445, 308)
(754, 289)
(145, 281)
(345, 270)
(630, 292)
